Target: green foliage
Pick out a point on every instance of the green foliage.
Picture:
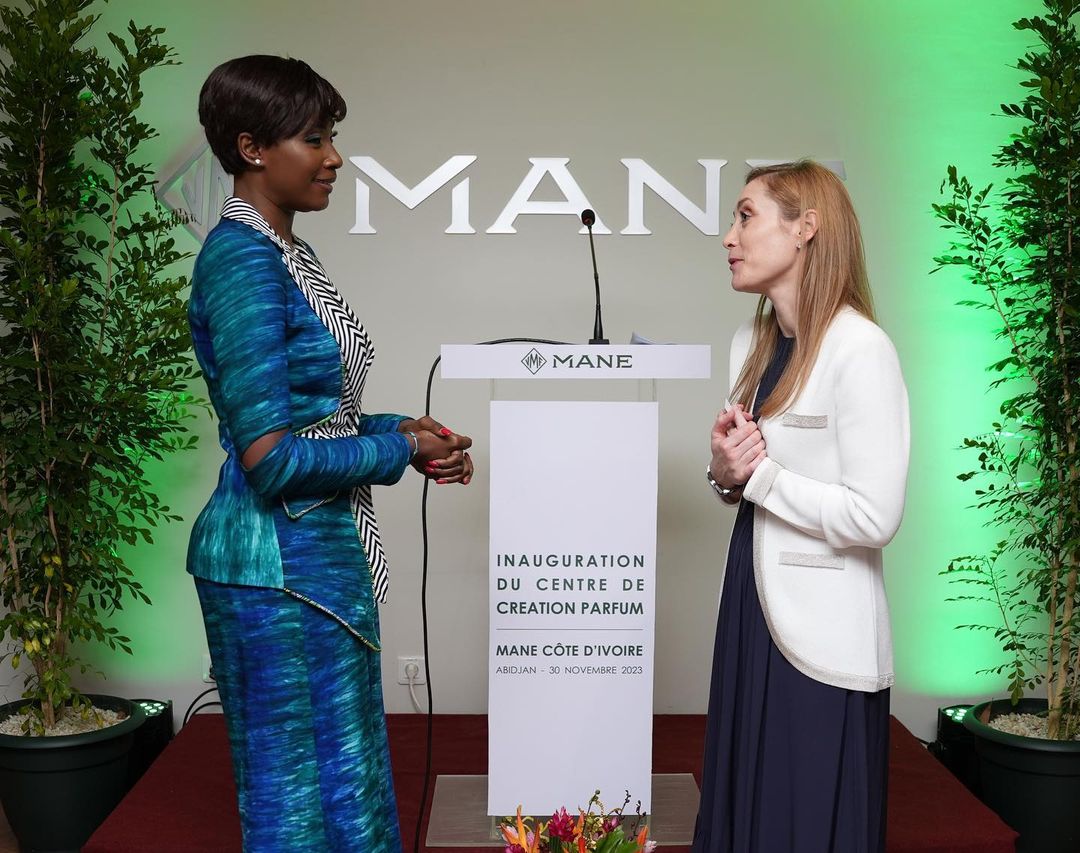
(1019, 247)
(94, 347)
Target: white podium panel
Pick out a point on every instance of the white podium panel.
(572, 571)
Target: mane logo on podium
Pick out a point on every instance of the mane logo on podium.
(533, 361)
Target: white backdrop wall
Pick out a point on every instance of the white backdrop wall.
(874, 86)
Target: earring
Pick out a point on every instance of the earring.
(798, 246)
(258, 162)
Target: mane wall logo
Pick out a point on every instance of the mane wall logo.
(196, 184)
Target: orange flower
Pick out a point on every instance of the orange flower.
(535, 848)
(522, 835)
(642, 836)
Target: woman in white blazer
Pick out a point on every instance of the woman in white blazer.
(813, 448)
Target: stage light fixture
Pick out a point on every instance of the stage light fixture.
(955, 745)
(151, 737)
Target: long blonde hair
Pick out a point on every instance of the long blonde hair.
(834, 276)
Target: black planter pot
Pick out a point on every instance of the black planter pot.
(56, 790)
(1032, 783)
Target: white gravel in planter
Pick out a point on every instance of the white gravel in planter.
(1028, 725)
(69, 723)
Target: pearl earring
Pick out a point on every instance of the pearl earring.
(798, 246)
(258, 162)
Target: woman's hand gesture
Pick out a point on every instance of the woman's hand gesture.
(737, 447)
(440, 452)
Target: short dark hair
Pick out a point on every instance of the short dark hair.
(270, 97)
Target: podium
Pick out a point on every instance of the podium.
(572, 571)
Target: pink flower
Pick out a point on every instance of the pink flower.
(610, 824)
(561, 826)
(649, 847)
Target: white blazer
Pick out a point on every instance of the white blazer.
(828, 498)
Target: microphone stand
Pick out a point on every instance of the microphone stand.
(587, 219)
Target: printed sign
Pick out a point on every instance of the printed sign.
(572, 571)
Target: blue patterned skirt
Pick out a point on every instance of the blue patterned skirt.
(304, 711)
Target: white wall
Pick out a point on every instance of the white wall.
(594, 82)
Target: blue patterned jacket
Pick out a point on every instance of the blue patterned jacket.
(270, 364)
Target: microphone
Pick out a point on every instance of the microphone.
(587, 219)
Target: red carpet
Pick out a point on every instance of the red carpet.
(186, 802)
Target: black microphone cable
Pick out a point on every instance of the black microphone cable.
(424, 579)
(192, 710)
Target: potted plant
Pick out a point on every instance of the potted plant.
(1020, 248)
(94, 367)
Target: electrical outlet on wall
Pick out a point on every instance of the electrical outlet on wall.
(404, 667)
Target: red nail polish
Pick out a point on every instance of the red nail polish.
(444, 431)
(441, 482)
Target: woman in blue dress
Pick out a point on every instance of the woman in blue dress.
(286, 555)
(813, 449)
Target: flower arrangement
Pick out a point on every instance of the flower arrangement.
(596, 830)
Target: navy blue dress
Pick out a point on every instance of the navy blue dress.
(791, 765)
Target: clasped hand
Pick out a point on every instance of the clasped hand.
(737, 447)
(440, 452)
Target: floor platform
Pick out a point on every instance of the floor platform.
(186, 802)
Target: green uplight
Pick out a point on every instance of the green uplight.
(152, 707)
(956, 712)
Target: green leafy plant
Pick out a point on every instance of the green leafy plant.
(1019, 247)
(94, 347)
